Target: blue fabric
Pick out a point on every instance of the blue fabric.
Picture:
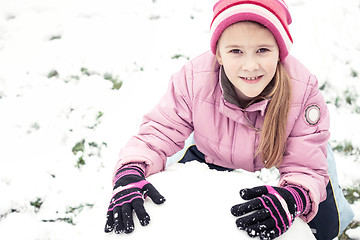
(345, 211)
(334, 213)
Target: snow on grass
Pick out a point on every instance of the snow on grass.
(63, 121)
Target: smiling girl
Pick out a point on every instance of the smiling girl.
(250, 55)
(257, 108)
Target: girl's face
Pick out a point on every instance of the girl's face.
(249, 54)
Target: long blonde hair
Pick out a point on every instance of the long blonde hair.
(273, 133)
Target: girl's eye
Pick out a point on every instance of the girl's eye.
(263, 50)
(235, 51)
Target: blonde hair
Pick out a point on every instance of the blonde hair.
(273, 133)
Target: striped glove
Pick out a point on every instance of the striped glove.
(275, 209)
(128, 194)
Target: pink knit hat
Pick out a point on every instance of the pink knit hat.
(273, 14)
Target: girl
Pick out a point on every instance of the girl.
(249, 105)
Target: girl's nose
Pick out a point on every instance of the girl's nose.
(250, 63)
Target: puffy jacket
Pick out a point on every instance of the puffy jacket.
(194, 102)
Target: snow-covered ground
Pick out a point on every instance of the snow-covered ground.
(62, 123)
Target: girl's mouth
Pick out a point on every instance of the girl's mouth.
(252, 80)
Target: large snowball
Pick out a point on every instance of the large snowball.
(198, 202)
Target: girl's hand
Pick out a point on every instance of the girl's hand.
(274, 210)
(128, 194)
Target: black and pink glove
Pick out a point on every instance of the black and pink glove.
(275, 209)
(129, 191)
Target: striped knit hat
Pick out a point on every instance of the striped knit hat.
(273, 14)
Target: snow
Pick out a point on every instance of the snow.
(141, 43)
(186, 214)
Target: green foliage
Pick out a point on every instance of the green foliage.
(352, 225)
(114, 80)
(55, 37)
(352, 194)
(4, 215)
(79, 147)
(75, 77)
(80, 162)
(154, 17)
(33, 127)
(70, 214)
(36, 204)
(100, 114)
(324, 86)
(76, 210)
(349, 98)
(177, 56)
(357, 109)
(347, 148)
(116, 83)
(138, 68)
(85, 71)
(64, 219)
(53, 73)
(86, 149)
(98, 120)
(354, 73)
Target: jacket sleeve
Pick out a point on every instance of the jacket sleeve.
(164, 129)
(305, 161)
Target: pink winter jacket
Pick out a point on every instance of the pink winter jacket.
(194, 102)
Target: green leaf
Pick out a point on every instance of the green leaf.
(79, 147)
(53, 73)
(36, 204)
(114, 80)
(55, 37)
(80, 162)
